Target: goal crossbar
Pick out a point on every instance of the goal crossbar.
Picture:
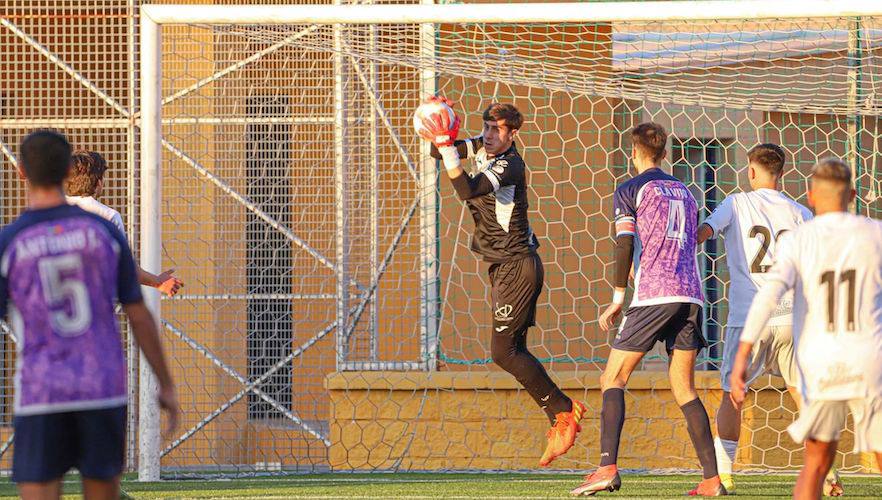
(493, 13)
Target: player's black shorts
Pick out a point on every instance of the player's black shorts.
(516, 286)
(678, 325)
(49, 445)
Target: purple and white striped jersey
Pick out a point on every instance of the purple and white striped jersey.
(661, 214)
(62, 270)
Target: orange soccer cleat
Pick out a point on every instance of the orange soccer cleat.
(711, 487)
(562, 434)
(603, 479)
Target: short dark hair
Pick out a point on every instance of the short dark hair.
(45, 158)
(833, 170)
(86, 171)
(651, 139)
(508, 112)
(771, 157)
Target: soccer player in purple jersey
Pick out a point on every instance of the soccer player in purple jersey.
(655, 220)
(62, 270)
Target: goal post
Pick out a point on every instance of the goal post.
(377, 258)
(149, 440)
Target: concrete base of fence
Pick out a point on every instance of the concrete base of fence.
(461, 420)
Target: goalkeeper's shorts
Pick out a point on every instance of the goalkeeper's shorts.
(516, 286)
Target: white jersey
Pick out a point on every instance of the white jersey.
(91, 205)
(751, 224)
(834, 266)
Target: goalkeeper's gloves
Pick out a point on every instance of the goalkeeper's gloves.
(437, 128)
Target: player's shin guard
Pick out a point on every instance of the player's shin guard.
(612, 419)
(698, 425)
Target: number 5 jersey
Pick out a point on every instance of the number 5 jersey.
(661, 214)
(63, 270)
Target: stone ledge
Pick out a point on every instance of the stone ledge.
(496, 379)
(447, 420)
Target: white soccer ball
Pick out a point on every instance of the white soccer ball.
(427, 109)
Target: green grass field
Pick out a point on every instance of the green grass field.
(490, 485)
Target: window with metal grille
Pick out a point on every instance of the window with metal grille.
(269, 254)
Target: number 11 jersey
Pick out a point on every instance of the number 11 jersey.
(834, 265)
(751, 225)
(63, 270)
(661, 214)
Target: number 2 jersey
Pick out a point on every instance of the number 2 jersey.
(62, 271)
(834, 266)
(661, 214)
(751, 224)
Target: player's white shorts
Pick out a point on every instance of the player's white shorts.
(824, 421)
(772, 354)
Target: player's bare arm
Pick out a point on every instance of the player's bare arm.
(738, 384)
(705, 232)
(165, 282)
(147, 336)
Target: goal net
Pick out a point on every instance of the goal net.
(334, 275)
(334, 317)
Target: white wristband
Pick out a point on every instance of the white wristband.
(450, 156)
(618, 297)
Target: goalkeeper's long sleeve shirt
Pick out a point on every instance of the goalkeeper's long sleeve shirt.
(496, 194)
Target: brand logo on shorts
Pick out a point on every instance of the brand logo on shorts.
(500, 329)
(503, 313)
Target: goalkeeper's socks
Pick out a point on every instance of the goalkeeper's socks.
(725, 451)
(612, 419)
(698, 425)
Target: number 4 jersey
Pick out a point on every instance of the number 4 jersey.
(662, 215)
(62, 271)
(751, 224)
(834, 265)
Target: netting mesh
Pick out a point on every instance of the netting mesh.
(294, 189)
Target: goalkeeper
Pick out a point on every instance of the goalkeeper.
(496, 194)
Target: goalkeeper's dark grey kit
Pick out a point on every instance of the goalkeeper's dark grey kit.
(496, 194)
